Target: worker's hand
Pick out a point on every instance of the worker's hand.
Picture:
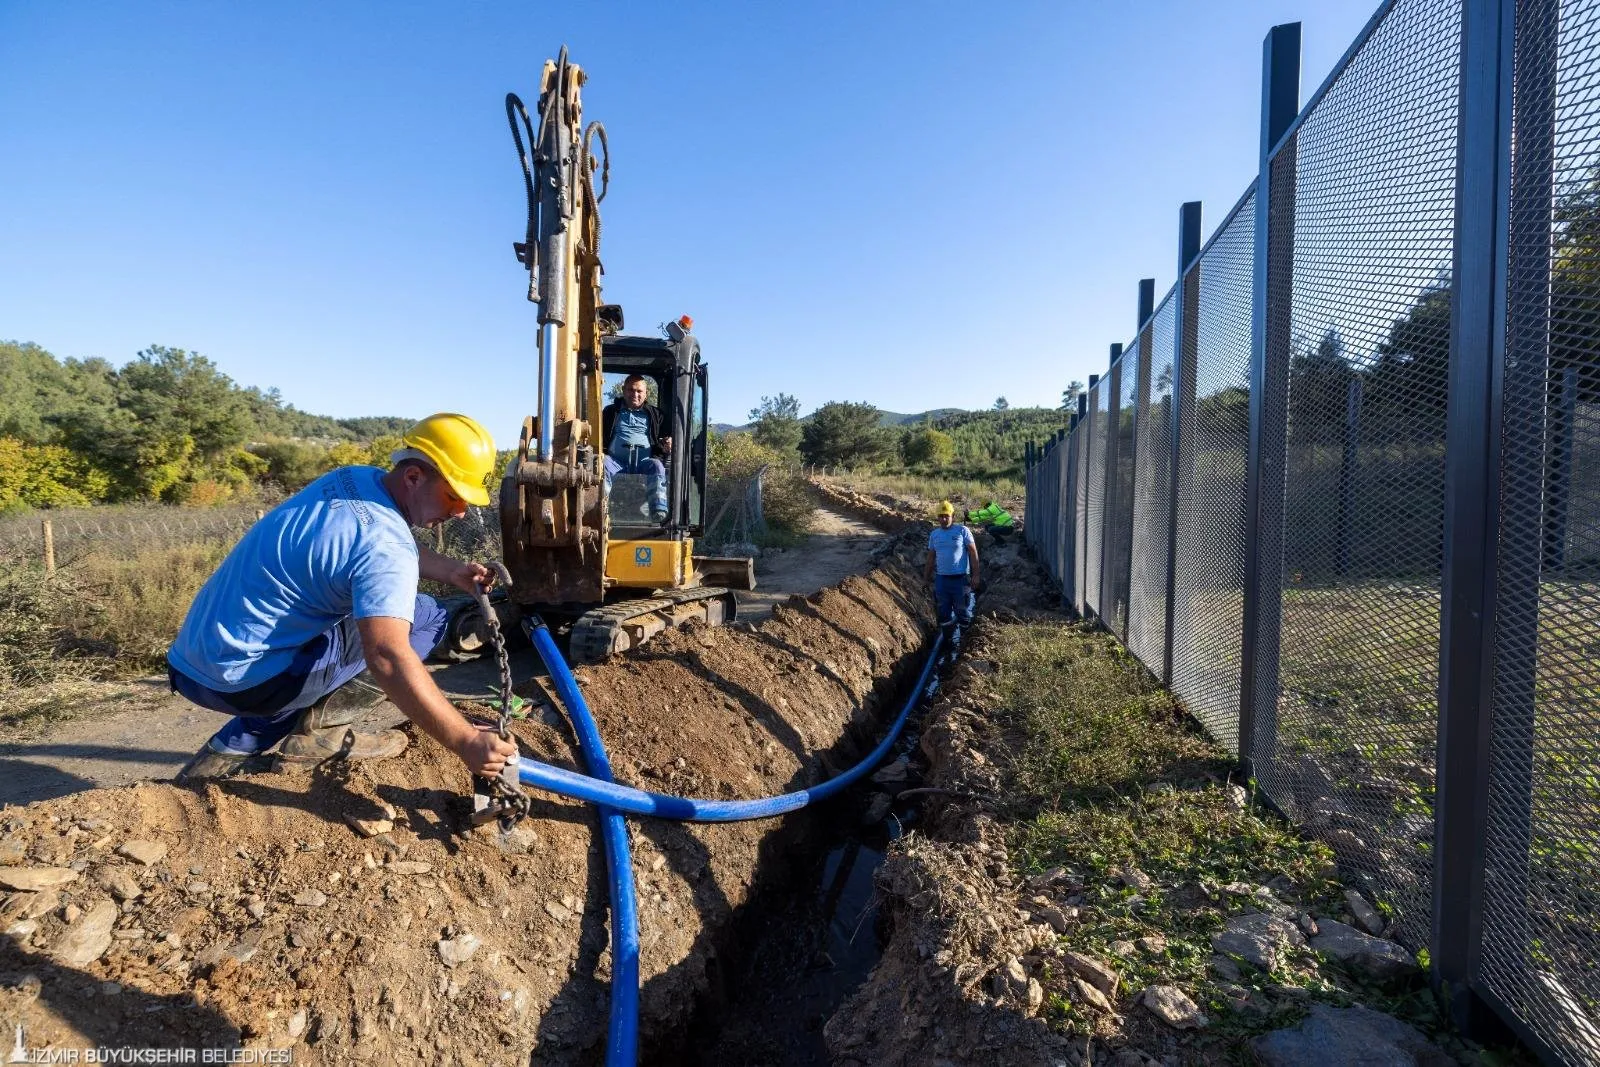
(972, 582)
(468, 577)
(666, 445)
(485, 753)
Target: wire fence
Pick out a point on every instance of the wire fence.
(62, 537)
(1342, 490)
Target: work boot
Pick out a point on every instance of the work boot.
(324, 731)
(214, 763)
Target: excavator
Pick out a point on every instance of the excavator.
(582, 550)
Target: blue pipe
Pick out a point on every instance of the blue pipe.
(605, 792)
(622, 1034)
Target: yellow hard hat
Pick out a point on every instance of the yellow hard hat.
(947, 508)
(460, 449)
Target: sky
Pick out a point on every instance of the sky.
(917, 205)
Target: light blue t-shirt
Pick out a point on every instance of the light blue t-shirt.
(338, 547)
(949, 547)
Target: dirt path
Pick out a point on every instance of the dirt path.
(139, 731)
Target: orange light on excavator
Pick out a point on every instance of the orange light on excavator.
(686, 322)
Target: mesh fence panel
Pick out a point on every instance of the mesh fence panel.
(1095, 507)
(1362, 500)
(1119, 505)
(1152, 494)
(1541, 934)
(1080, 492)
(1065, 523)
(1208, 589)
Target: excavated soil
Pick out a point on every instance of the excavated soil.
(257, 913)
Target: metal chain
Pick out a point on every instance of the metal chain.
(502, 797)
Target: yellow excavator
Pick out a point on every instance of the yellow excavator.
(585, 547)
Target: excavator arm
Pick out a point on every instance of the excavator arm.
(552, 514)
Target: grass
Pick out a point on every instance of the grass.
(1110, 774)
(108, 615)
(967, 493)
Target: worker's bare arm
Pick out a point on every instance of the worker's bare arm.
(441, 568)
(405, 681)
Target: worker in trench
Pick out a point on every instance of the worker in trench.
(952, 567)
(320, 596)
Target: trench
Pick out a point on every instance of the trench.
(812, 930)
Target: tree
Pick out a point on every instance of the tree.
(1070, 395)
(1001, 404)
(927, 447)
(844, 434)
(777, 423)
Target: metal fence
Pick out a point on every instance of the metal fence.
(1341, 492)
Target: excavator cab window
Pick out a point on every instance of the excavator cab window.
(639, 488)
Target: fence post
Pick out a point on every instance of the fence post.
(1269, 389)
(1111, 388)
(1185, 364)
(1480, 383)
(49, 546)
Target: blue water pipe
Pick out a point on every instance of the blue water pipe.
(622, 1031)
(599, 788)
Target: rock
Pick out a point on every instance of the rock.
(12, 853)
(29, 905)
(1372, 956)
(119, 882)
(369, 827)
(1307, 924)
(1124, 949)
(1155, 944)
(148, 853)
(33, 879)
(1011, 978)
(893, 773)
(1056, 917)
(1134, 878)
(297, 1023)
(1348, 1035)
(1090, 995)
(1367, 916)
(1239, 889)
(1237, 797)
(87, 939)
(311, 898)
(409, 867)
(1092, 971)
(22, 929)
(1035, 996)
(257, 910)
(1255, 938)
(1172, 1006)
(454, 953)
(878, 807)
(557, 912)
(1224, 968)
(70, 913)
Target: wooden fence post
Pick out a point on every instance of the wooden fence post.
(49, 548)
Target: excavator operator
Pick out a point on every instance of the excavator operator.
(632, 431)
(323, 588)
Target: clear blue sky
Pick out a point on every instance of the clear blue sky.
(918, 204)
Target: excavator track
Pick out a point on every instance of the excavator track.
(630, 623)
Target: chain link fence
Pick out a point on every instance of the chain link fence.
(1342, 491)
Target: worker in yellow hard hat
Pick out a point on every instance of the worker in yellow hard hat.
(952, 567)
(314, 617)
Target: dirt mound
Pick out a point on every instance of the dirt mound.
(881, 510)
(257, 911)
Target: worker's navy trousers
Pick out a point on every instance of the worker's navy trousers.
(954, 599)
(264, 714)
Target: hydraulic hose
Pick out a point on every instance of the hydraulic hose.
(622, 1033)
(607, 793)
